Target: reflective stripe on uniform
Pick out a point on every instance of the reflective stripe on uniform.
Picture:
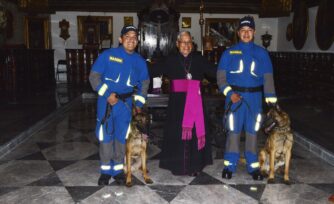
(105, 167)
(231, 122)
(241, 68)
(227, 163)
(101, 133)
(128, 82)
(128, 132)
(103, 89)
(255, 165)
(140, 98)
(252, 69)
(226, 90)
(258, 121)
(271, 99)
(118, 167)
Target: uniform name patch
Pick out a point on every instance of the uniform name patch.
(235, 52)
(116, 59)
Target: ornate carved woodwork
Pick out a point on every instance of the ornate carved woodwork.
(275, 8)
(305, 75)
(158, 27)
(64, 26)
(79, 64)
(26, 71)
(184, 6)
(36, 6)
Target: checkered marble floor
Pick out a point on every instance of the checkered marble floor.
(60, 163)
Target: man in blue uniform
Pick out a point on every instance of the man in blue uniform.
(118, 74)
(244, 72)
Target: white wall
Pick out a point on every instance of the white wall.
(310, 44)
(59, 45)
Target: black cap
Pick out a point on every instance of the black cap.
(247, 21)
(128, 28)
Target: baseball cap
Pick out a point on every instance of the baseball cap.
(128, 28)
(247, 21)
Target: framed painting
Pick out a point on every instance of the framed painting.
(128, 20)
(36, 32)
(186, 22)
(94, 29)
(223, 31)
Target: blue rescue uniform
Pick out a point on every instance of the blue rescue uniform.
(120, 73)
(245, 66)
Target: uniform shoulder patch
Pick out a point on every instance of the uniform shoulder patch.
(115, 59)
(235, 52)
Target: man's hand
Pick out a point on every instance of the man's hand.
(235, 97)
(112, 99)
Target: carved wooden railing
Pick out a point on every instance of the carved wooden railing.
(79, 64)
(304, 74)
(26, 71)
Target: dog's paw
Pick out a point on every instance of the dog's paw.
(128, 184)
(287, 182)
(271, 181)
(148, 181)
(264, 174)
(141, 169)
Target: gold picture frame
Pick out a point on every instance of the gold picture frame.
(223, 31)
(128, 20)
(36, 32)
(94, 29)
(186, 22)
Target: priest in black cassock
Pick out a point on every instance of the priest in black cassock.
(186, 146)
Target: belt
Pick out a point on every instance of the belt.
(124, 96)
(247, 89)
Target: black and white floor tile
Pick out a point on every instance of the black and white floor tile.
(60, 163)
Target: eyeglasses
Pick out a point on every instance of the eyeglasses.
(185, 42)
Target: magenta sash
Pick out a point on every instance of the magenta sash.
(193, 110)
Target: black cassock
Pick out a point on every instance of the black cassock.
(179, 156)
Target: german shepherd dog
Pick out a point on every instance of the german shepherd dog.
(136, 145)
(277, 150)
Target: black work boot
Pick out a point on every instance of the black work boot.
(104, 180)
(226, 174)
(120, 178)
(257, 176)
